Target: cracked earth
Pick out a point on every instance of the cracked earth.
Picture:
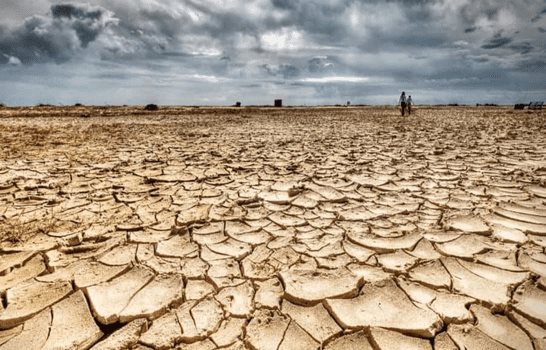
(203, 228)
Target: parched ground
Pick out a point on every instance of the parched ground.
(334, 228)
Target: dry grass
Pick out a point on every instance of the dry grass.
(15, 231)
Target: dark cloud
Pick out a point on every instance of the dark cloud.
(497, 41)
(471, 29)
(522, 48)
(88, 22)
(57, 36)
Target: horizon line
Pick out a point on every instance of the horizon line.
(79, 105)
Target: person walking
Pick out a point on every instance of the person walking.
(402, 102)
(409, 102)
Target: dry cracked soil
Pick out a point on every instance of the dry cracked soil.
(256, 228)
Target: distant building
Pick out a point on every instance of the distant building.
(278, 103)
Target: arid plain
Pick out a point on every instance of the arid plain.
(262, 228)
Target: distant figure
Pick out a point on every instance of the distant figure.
(409, 102)
(402, 102)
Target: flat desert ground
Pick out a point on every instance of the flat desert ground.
(262, 228)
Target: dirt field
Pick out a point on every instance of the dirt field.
(334, 228)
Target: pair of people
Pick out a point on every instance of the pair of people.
(405, 103)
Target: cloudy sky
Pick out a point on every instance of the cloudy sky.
(214, 52)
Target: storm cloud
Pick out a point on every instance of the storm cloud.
(56, 36)
(306, 51)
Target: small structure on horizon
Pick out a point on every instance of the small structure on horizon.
(519, 106)
(237, 104)
(348, 103)
(278, 103)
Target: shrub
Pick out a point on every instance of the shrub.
(151, 107)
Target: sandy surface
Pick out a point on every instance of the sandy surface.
(340, 228)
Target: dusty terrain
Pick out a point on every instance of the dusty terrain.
(347, 228)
